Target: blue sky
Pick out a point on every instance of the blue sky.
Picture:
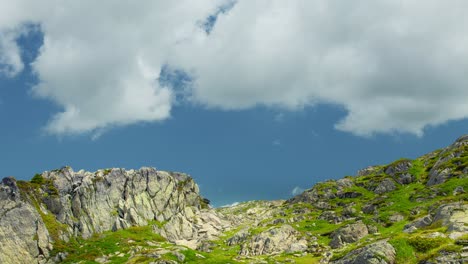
(247, 119)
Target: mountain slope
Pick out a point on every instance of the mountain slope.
(409, 211)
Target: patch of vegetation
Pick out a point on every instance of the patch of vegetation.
(37, 179)
(404, 251)
(107, 243)
(418, 170)
(425, 244)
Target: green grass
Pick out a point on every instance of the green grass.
(418, 170)
(108, 242)
(404, 251)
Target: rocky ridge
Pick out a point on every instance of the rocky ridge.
(409, 211)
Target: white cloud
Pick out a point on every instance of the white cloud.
(230, 205)
(394, 66)
(297, 190)
(10, 60)
(101, 61)
(276, 142)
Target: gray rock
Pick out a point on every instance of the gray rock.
(369, 208)
(343, 195)
(372, 229)
(396, 218)
(179, 256)
(399, 167)
(275, 240)
(331, 216)
(437, 176)
(377, 253)
(23, 235)
(344, 183)
(386, 185)
(458, 190)
(349, 212)
(420, 222)
(117, 198)
(89, 203)
(455, 217)
(348, 234)
(238, 238)
(367, 171)
(410, 230)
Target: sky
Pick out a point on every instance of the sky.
(255, 99)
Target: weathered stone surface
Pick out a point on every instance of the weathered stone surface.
(23, 235)
(398, 167)
(394, 218)
(458, 190)
(437, 176)
(348, 234)
(455, 217)
(117, 198)
(275, 240)
(419, 223)
(238, 238)
(386, 185)
(377, 253)
(368, 170)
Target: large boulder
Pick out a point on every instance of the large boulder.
(386, 185)
(23, 235)
(418, 223)
(274, 241)
(94, 202)
(368, 170)
(455, 217)
(377, 253)
(348, 234)
(400, 171)
(238, 238)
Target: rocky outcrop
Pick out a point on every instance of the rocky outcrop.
(377, 253)
(386, 185)
(367, 171)
(238, 238)
(190, 229)
(399, 171)
(419, 223)
(444, 168)
(274, 241)
(455, 217)
(23, 236)
(348, 234)
(84, 203)
(113, 199)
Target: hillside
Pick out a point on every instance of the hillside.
(409, 211)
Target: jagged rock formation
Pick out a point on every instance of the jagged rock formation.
(410, 211)
(376, 253)
(113, 199)
(23, 236)
(84, 203)
(348, 234)
(275, 240)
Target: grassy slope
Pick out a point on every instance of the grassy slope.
(135, 244)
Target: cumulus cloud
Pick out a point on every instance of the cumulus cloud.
(230, 205)
(101, 61)
(10, 60)
(297, 190)
(394, 66)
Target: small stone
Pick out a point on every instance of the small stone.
(179, 256)
(458, 190)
